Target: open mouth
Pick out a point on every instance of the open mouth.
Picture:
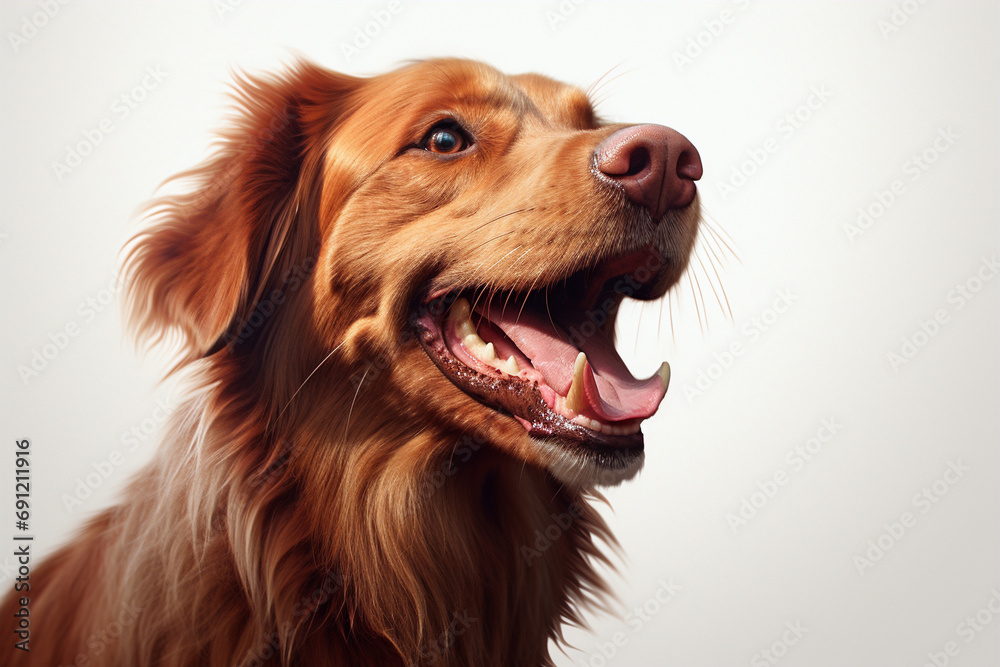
(547, 357)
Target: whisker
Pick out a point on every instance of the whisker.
(519, 258)
(508, 254)
(597, 101)
(548, 311)
(594, 87)
(479, 295)
(720, 242)
(491, 240)
(531, 288)
(722, 287)
(638, 326)
(347, 424)
(505, 256)
(717, 231)
(670, 314)
(487, 291)
(494, 219)
(710, 234)
(510, 293)
(709, 279)
(701, 295)
(659, 320)
(308, 377)
(711, 249)
(694, 297)
(711, 218)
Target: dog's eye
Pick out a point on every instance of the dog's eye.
(445, 138)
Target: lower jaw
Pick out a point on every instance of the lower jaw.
(575, 454)
(578, 466)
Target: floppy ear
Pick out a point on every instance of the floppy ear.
(203, 265)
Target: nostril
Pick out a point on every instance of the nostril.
(638, 161)
(689, 166)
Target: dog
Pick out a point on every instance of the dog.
(393, 300)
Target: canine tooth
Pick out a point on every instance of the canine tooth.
(664, 372)
(460, 310)
(510, 367)
(574, 399)
(473, 343)
(461, 316)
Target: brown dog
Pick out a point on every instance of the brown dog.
(396, 300)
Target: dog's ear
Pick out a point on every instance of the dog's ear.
(201, 268)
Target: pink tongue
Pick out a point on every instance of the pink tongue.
(612, 392)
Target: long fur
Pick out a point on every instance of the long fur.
(324, 495)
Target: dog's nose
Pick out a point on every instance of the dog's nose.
(655, 165)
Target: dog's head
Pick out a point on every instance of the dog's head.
(443, 246)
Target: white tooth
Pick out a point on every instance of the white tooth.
(510, 367)
(574, 399)
(664, 372)
(461, 316)
(460, 310)
(473, 343)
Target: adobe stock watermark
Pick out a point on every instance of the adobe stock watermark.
(751, 332)
(302, 611)
(626, 285)
(275, 469)
(967, 630)
(34, 22)
(364, 34)
(710, 31)
(57, 341)
(558, 14)
(922, 502)
(102, 639)
(784, 129)
(461, 453)
(292, 280)
(131, 440)
(8, 568)
(898, 17)
(778, 649)
(928, 328)
(912, 170)
(123, 106)
(545, 538)
(637, 618)
(279, 124)
(438, 647)
(225, 7)
(795, 460)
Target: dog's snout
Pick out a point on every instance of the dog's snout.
(655, 165)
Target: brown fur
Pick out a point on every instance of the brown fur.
(325, 495)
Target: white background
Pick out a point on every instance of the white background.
(887, 94)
